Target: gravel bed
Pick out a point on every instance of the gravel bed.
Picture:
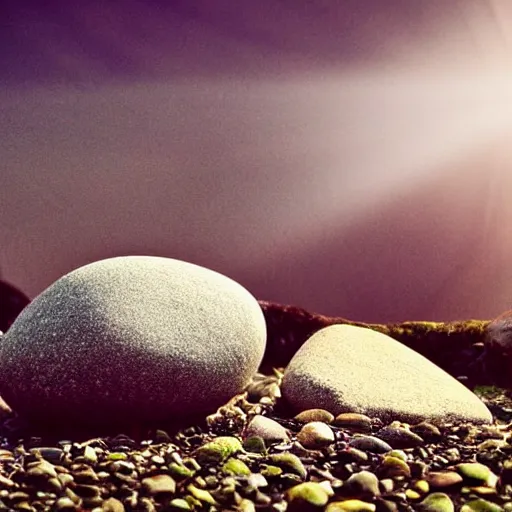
(348, 463)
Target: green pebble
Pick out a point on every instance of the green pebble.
(421, 486)
(480, 505)
(399, 454)
(474, 471)
(179, 504)
(117, 456)
(437, 502)
(271, 471)
(363, 483)
(308, 493)
(201, 494)
(236, 467)
(191, 464)
(218, 450)
(289, 462)
(254, 444)
(352, 505)
(193, 502)
(411, 494)
(392, 467)
(180, 472)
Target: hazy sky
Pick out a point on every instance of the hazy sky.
(350, 157)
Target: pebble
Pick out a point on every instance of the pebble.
(132, 336)
(112, 505)
(364, 484)
(218, 450)
(159, 484)
(289, 462)
(474, 473)
(352, 505)
(443, 479)
(315, 415)
(393, 467)
(236, 467)
(343, 368)
(307, 494)
(315, 435)
(370, 444)
(480, 505)
(399, 437)
(427, 431)
(353, 421)
(267, 429)
(437, 502)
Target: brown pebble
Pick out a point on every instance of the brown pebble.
(443, 479)
(315, 415)
(353, 421)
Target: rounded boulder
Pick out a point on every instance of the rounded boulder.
(131, 338)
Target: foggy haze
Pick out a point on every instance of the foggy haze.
(351, 158)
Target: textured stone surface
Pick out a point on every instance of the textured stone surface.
(132, 337)
(344, 368)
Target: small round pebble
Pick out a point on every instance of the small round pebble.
(307, 493)
(436, 502)
(315, 434)
(363, 484)
(267, 429)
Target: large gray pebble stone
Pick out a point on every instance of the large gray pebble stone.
(132, 338)
(343, 368)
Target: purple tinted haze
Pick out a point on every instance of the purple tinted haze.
(350, 157)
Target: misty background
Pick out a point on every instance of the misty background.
(352, 158)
